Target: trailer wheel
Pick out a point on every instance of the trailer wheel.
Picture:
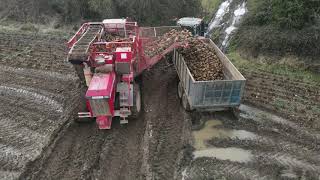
(136, 108)
(185, 102)
(180, 90)
(236, 111)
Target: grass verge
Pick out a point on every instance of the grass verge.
(34, 29)
(279, 68)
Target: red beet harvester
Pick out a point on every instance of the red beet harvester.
(107, 57)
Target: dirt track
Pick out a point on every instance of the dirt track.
(39, 95)
(34, 102)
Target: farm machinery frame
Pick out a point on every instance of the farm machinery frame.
(107, 57)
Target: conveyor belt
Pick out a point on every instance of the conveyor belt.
(80, 49)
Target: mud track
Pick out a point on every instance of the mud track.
(126, 152)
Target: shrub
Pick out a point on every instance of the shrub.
(288, 14)
(269, 40)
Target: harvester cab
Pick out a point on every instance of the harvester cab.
(194, 25)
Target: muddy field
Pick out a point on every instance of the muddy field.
(43, 96)
(145, 148)
(40, 94)
(283, 144)
(34, 102)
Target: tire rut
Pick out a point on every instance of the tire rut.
(166, 118)
(33, 97)
(223, 170)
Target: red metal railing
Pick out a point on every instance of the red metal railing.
(78, 34)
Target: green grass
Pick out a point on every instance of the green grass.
(212, 5)
(28, 28)
(275, 68)
(252, 5)
(209, 7)
(316, 109)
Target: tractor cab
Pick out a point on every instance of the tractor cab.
(194, 25)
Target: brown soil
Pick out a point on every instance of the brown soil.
(36, 98)
(40, 94)
(290, 98)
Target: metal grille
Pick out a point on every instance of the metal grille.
(152, 32)
(100, 107)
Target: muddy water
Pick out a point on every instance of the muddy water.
(211, 131)
(232, 154)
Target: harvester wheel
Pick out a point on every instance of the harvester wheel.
(136, 108)
(83, 108)
(185, 102)
(180, 90)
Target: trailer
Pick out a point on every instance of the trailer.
(215, 95)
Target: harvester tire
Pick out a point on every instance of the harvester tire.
(82, 107)
(137, 100)
(185, 102)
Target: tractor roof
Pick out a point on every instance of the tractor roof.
(114, 21)
(189, 21)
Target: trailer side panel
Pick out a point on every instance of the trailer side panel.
(211, 95)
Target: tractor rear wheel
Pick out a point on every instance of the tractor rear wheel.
(136, 108)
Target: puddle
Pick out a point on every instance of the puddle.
(232, 154)
(209, 132)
